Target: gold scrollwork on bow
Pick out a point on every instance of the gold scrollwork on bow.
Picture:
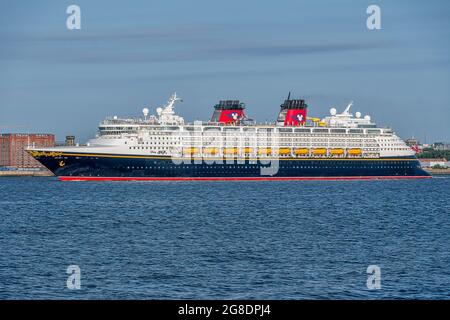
(45, 154)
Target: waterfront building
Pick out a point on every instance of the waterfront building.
(13, 148)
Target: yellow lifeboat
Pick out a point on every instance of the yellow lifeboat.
(320, 151)
(248, 150)
(301, 151)
(230, 150)
(337, 152)
(264, 151)
(190, 150)
(354, 151)
(284, 151)
(210, 150)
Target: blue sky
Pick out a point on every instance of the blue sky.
(127, 56)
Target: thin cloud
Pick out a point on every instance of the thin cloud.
(277, 50)
(118, 52)
(171, 43)
(178, 32)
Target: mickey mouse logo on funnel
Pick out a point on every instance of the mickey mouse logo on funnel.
(295, 117)
(231, 116)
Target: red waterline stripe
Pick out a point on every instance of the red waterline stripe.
(72, 178)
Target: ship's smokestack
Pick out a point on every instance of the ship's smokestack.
(293, 112)
(228, 112)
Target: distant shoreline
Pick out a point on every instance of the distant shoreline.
(17, 173)
(436, 172)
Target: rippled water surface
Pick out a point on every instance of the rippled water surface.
(224, 240)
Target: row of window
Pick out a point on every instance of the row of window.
(203, 166)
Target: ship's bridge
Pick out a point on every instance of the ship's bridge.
(165, 116)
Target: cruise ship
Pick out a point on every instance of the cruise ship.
(231, 146)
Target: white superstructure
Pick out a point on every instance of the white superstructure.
(338, 135)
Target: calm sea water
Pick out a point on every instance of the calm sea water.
(224, 240)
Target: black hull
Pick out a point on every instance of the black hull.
(129, 166)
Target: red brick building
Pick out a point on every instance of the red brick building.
(13, 145)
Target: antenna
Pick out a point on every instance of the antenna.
(289, 95)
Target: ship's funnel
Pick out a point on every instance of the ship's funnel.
(229, 112)
(293, 112)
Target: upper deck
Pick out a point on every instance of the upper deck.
(166, 120)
